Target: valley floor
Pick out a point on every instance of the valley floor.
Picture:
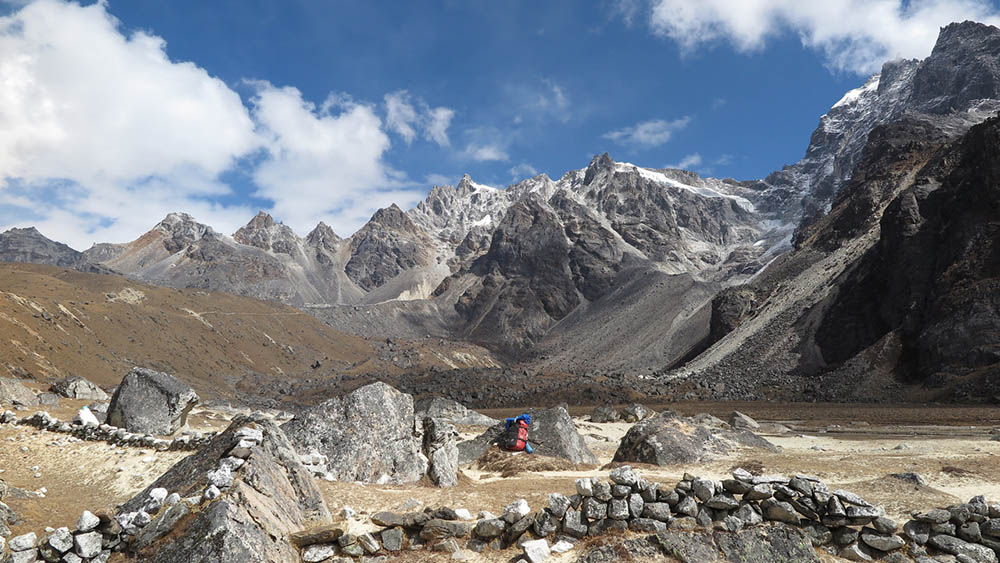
(854, 447)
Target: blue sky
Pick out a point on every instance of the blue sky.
(325, 110)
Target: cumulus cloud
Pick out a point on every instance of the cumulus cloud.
(109, 116)
(404, 116)
(854, 35)
(647, 134)
(324, 161)
(103, 135)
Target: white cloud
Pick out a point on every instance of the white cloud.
(652, 133)
(111, 116)
(404, 118)
(323, 163)
(688, 162)
(486, 152)
(436, 127)
(521, 171)
(103, 135)
(854, 35)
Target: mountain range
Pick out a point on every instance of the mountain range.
(865, 270)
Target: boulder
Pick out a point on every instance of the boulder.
(367, 435)
(605, 413)
(272, 497)
(441, 450)
(76, 387)
(552, 433)
(452, 411)
(151, 402)
(12, 392)
(634, 412)
(741, 421)
(666, 439)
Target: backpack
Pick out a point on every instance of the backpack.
(515, 436)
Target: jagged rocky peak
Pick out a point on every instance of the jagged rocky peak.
(600, 163)
(387, 245)
(963, 69)
(181, 230)
(29, 245)
(264, 233)
(323, 236)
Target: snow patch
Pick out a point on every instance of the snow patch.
(855, 94)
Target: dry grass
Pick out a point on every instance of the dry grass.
(509, 464)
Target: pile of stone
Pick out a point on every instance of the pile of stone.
(970, 531)
(107, 433)
(92, 540)
(316, 464)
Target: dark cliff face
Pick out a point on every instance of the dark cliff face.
(934, 275)
(963, 68)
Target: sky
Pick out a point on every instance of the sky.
(115, 113)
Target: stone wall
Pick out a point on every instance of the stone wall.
(837, 521)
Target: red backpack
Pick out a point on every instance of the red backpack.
(515, 437)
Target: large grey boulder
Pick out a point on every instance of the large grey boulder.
(441, 450)
(667, 439)
(452, 411)
(552, 433)
(367, 435)
(76, 387)
(151, 402)
(12, 392)
(272, 496)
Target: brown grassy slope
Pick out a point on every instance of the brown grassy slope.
(56, 322)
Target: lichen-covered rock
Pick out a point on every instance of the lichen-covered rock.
(452, 411)
(151, 402)
(273, 497)
(552, 433)
(666, 440)
(367, 435)
(76, 387)
(441, 450)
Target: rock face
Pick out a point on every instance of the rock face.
(151, 402)
(552, 433)
(77, 387)
(452, 411)
(386, 246)
(272, 497)
(12, 392)
(29, 245)
(368, 435)
(667, 439)
(442, 452)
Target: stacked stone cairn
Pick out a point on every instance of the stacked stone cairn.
(97, 536)
(107, 433)
(837, 521)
